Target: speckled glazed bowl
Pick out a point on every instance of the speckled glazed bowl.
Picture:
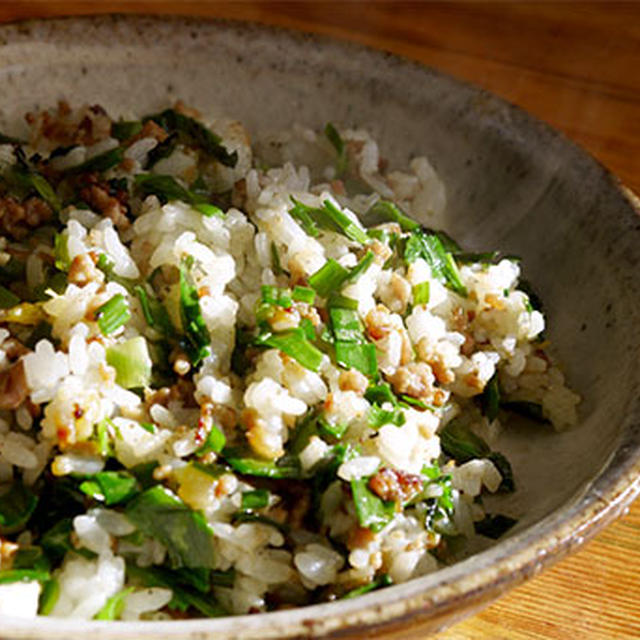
(512, 184)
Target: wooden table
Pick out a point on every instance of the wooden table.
(575, 65)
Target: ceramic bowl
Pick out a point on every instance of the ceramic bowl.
(513, 183)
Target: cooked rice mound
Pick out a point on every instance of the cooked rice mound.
(236, 379)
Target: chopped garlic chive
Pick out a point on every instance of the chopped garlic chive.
(421, 293)
(113, 314)
(328, 278)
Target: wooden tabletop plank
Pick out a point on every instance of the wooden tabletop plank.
(574, 65)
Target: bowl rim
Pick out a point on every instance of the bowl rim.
(498, 568)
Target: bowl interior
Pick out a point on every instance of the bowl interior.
(512, 184)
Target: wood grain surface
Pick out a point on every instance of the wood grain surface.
(575, 65)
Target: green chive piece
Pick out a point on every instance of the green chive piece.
(209, 210)
(338, 144)
(389, 211)
(113, 314)
(328, 217)
(373, 512)
(123, 130)
(48, 597)
(195, 133)
(61, 252)
(99, 163)
(358, 356)
(295, 344)
(421, 293)
(383, 581)
(345, 324)
(197, 342)
(114, 606)
(303, 294)
(365, 262)
(328, 278)
(215, 441)
(256, 499)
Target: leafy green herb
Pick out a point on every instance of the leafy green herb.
(195, 133)
(31, 557)
(462, 444)
(113, 314)
(490, 398)
(332, 430)
(328, 278)
(209, 210)
(149, 427)
(388, 211)
(338, 144)
(160, 514)
(358, 356)
(373, 512)
(256, 499)
(531, 410)
(504, 467)
(114, 606)
(48, 597)
(439, 509)
(305, 429)
(329, 218)
(197, 340)
(223, 578)
(421, 293)
(16, 507)
(215, 441)
(162, 150)
(123, 130)
(154, 312)
(303, 294)
(103, 437)
(407, 401)
(8, 299)
(12, 271)
(345, 324)
(57, 540)
(183, 597)
(61, 251)
(534, 303)
(283, 468)
(276, 265)
(494, 526)
(167, 188)
(132, 363)
(28, 180)
(365, 262)
(144, 473)
(338, 300)
(110, 487)
(378, 417)
(23, 575)
(275, 296)
(383, 581)
(380, 393)
(295, 344)
(199, 578)
(99, 163)
(429, 246)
